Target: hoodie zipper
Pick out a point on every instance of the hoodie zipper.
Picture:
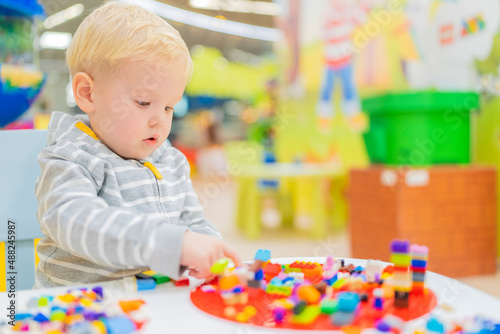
(157, 176)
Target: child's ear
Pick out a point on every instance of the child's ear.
(83, 87)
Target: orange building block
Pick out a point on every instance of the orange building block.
(310, 269)
(450, 209)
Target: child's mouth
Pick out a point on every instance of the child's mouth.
(151, 141)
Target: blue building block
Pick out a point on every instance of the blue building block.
(119, 325)
(259, 275)
(98, 291)
(332, 280)
(418, 263)
(40, 318)
(378, 304)
(383, 326)
(276, 281)
(263, 255)
(348, 301)
(434, 325)
(342, 318)
(22, 316)
(146, 284)
(81, 328)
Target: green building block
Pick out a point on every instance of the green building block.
(58, 315)
(43, 301)
(329, 306)
(160, 279)
(339, 283)
(219, 266)
(400, 259)
(279, 290)
(307, 316)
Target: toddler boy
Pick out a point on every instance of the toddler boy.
(114, 198)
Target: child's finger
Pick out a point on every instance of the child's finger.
(231, 253)
(200, 273)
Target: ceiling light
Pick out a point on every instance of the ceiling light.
(208, 22)
(55, 40)
(63, 16)
(240, 6)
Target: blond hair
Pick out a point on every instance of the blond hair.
(116, 32)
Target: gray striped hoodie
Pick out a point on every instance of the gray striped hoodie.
(105, 217)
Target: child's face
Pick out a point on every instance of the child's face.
(133, 110)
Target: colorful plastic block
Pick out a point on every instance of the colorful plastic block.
(347, 301)
(279, 314)
(131, 305)
(271, 270)
(40, 318)
(259, 275)
(98, 291)
(309, 294)
(43, 301)
(219, 266)
(250, 311)
(399, 259)
(22, 316)
(342, 318)
(183, 281)
(434, 325)
(254, 284)
(329, 306)
(279, 290)
(146, 284)
(400, 246)
(382, 326)
(160, 279)
(99, 326)
(241, 317)
(57, 315)
(149, 272)
(119, 325)
(307, 316)
(263, 255)
(339, 283)
(299, 307)
(229, 282)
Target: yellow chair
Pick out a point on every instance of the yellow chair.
(18, 173)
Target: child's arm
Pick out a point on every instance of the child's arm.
(80, 222)
(200, 250)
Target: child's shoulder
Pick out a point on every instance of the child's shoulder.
(64, 127)
(70, 137)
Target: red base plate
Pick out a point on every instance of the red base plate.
(213, 304)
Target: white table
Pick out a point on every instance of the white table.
(172, 311)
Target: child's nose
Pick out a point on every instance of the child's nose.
(157, 119)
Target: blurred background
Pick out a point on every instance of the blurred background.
(314, 127)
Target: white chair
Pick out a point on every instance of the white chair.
(19, 170)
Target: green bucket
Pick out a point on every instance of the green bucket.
(419, 128)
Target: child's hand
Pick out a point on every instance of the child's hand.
(200, 252)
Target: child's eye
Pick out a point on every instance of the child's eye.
(169, 109)
(142, 104)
